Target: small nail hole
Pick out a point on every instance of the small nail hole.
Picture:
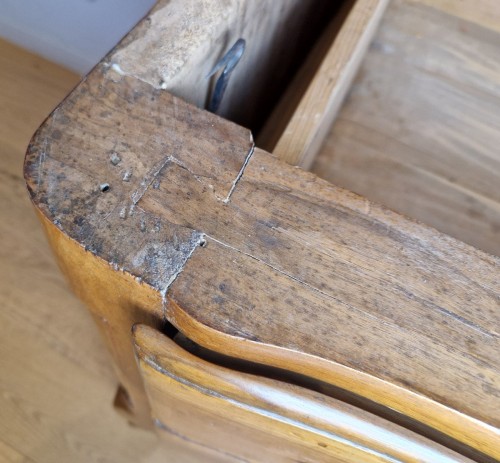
(115, 159)
(203, 243)
(104, 187)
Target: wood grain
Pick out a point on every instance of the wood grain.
(483, 12)
(347, 282)
(248, 255)
(419, 130)
(161, 247)
(296, 130)
(10, 455)
(249, 417)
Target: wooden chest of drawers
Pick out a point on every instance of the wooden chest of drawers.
(254, 310)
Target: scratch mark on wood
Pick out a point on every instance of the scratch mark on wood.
(307, 285)
(240, 174)
(40, 167)
(147, 181)
(44, 150)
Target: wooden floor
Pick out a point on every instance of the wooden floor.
(420, 128)
(56, 384)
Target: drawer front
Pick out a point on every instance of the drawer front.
(236, 416)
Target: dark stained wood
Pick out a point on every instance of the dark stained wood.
(130, 160)
(249, 256)
(205, 403)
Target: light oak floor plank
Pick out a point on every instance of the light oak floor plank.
(56, 380)
(419, 130)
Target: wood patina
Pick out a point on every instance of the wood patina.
(247, 255)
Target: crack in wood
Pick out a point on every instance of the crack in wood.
(240, 173)
(198, 239)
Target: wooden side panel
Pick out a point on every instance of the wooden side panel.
(419, 130)
(248, 418)
(116, 301)
(299, 124)
(180, 41)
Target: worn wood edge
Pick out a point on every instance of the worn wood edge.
(459, 426)
(380, 439)
(70, 248)
(321, 101)
(228, 160)
(130, 400)
(480, 435)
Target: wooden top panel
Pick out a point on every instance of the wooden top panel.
(311, 278)
(108, 135)
(266, 262)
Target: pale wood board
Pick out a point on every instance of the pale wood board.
(420, 129)
(300, 122)
(56, 383)
(483, 12)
